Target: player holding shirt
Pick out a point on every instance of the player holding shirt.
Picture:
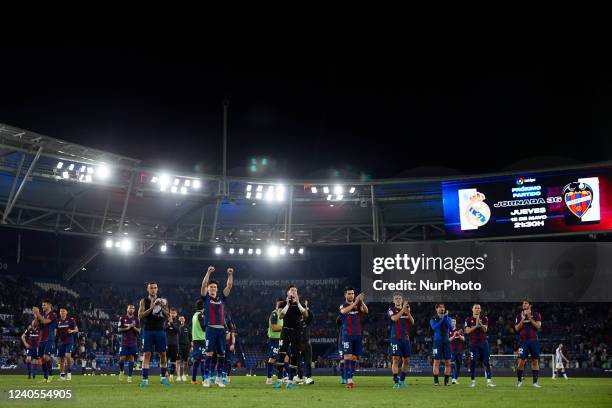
(129, 328)
(456, 338)
(152, 311)
(66, 330)
(30, 339)
(476, 327)
(47, 321)
(214, 313)
(440, 324)
(352, 333)
(527, 324)
(401, 320)
(275, 326)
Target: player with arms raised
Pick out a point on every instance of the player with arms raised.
(527, 324)
(401, 320)
(290, 339)
(352, 331)
(214, 316)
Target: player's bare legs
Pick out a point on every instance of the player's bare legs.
(395, 370)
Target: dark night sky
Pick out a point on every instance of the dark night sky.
(376, 116)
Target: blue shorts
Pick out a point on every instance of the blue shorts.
(32, 352)
(529, 348)
(457, 357)
(199, 347)
(229, 355)
(480, 352)
(154, 339)
(215, 340)
(441, 350)
(45, 348)
(273, 348)
(340, 351)
(400, 348)
(352, 345)
(62, 349)
(128, 350)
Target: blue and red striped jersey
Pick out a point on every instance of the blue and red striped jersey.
(528, 332)
(400, 329)
(128, 338)
(351, 322)
(456, 344)
(214, 310)
(47, 330)
(33, 336)
(478, 336)
(63, 325)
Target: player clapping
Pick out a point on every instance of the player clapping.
(401, 320)
(527, 324)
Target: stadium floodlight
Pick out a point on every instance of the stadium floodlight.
(163, 248)
(258, 195)
(154, 179)
(90, 170)
(183, 190)
(301, 251)
(118, 244)
(126, 245)
(83, 169)
(282, 251)
(108, 243)
(162, 188)
(59, 165)
(259, 188)
(250, 251)
(196, 184)
(65, 175)
(187, 183)
(352, 190)
(164, 180)
(176, 181)
(231, 251)
(338, 190)
(280, 193)
(240, 251)
(173, 189)
(313, 189)
(329, 197)
(218, 251)
(292, 251)
(270, 193)
(272, 251)
(82, 177)
(103, 171)
(258, 251)
(325, 190)
(339, 197)
(71, 167)
(248, 195)
(88, 178)
(249, 187)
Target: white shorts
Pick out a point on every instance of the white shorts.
(559, 366)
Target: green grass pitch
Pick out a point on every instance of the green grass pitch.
(251, 392)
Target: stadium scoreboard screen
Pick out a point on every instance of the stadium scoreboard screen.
(528, 204)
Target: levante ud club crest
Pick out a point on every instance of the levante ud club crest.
(578, 197)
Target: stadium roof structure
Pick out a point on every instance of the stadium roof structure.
(51, 185)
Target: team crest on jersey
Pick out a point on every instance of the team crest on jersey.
(578, 198)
